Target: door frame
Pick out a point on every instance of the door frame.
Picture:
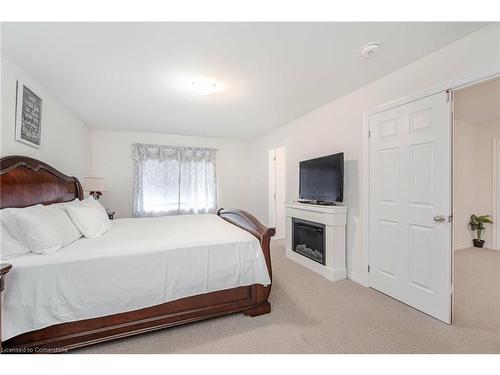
(450, 86)
(272, 186)
(495, 190)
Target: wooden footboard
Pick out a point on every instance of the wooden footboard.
(248, 222)
(251, 300)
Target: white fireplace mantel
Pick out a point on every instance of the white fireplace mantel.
(334, 218)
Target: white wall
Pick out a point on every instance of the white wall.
(112, 159)
(465, 192)
(338, 125)
(65, 141)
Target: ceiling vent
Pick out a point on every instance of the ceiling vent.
(370, 50)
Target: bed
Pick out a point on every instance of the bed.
(143, 275)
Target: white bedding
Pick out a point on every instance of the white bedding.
(136, 264)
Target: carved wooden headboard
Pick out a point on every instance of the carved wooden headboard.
(25, 181)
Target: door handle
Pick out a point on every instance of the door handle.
(439, 218)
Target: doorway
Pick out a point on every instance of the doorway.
(383, 176)
(476, 192)
(277, 190)
(476, 137)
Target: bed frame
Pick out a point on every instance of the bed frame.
(25, 181)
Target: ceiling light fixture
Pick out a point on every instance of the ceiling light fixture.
(370, 50)
(205, 86)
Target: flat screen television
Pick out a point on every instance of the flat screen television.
(322, 179)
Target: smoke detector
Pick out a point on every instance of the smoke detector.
(370, 50)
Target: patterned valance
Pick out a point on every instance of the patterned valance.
(141, 151)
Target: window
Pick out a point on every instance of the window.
(172, 180)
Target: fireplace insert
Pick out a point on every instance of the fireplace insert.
(309, 239)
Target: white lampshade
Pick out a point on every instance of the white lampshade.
(94, 184)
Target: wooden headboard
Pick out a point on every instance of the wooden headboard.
(25, 181)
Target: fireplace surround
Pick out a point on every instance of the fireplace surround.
(326, 253)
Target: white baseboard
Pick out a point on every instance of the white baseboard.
(357, 279)
(466, 245)
(462, 245)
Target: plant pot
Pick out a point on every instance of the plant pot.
(478, 243)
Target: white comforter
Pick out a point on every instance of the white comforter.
(138, 263)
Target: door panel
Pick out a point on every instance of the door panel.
(420, 246)
(410, 185)
(388, 250)
(388, 164)
(421, 174)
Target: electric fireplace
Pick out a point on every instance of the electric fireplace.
(309, 239)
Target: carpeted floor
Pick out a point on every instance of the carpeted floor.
(313, 315)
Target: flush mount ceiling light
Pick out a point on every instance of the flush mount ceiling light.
(205, 86)
(370, 50)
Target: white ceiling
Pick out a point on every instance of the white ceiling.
(122, 75)
(479, 104)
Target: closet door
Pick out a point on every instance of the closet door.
(410, 204)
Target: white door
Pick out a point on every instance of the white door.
(277, 180)
(410, 203)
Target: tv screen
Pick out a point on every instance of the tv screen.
(322, 179)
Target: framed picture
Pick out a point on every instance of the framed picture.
(28, 116)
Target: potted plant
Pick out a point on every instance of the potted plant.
(477, 225)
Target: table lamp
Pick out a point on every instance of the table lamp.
(94, 185)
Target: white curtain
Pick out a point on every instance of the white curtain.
(170, 180)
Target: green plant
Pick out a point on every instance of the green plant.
(477, 224)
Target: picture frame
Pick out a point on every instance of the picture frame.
(28, 115)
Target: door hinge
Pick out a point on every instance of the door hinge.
(369, 133)
(450, 219)
(448, 96)
(368, 268)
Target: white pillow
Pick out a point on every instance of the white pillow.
(10, 247)
(64, 204)
(90, 217)
(6, 215)
(42, 229)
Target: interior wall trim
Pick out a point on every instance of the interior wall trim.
(495, 191)
(357, 278)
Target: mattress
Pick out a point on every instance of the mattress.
(138, 263)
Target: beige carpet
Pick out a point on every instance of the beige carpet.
(313, 315)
